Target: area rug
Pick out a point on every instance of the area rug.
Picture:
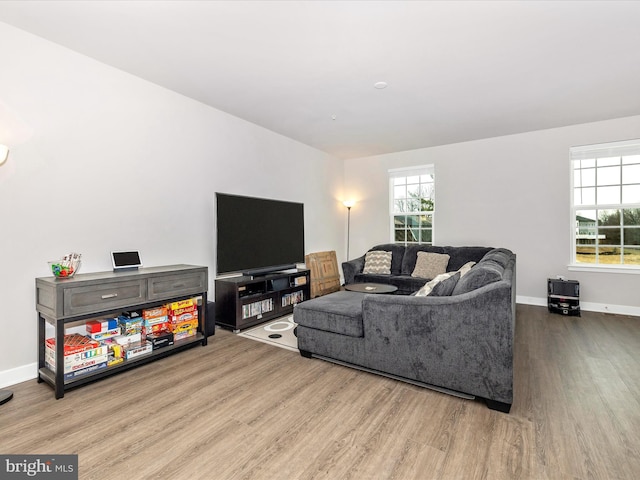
(279, 332)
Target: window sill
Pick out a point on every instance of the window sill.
(632, 269)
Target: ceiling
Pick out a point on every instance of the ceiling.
(456, 70)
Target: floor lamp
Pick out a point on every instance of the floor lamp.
(348, 204)
(5, 395)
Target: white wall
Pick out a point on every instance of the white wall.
(101, 160)
(510, 191)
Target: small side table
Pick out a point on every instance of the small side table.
(371, 288)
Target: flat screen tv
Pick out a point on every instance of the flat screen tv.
(255, 236)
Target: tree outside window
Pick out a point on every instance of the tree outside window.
(412, 205)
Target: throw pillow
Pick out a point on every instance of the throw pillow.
(377, 262)
(479, 276)
(430, 265)
(428, 287)
(465, 268)
(445, 287)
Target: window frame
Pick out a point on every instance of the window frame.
(595, 152)
(406, 173)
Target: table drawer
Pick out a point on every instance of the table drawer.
(169, 286)
(107, 296)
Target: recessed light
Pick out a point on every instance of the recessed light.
(380, 85)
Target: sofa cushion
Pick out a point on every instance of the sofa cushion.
(461, 255)
(397, 254)
(480, 275)
(430, 264)
(411, 256)
(377, 262)
(338, 312)
(499, 255)
(371, 278)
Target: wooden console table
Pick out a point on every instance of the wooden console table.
(74, 301)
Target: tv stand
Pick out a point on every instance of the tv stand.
(242, 302)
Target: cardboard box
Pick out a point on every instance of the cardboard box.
(160, 339)
(128, 339)
(185, 317)
(182, 304)
(156, 327)
(85, 371)
(87, 362)
(106, 335)
(74, 343)
(183, 326)
(184, 334)
(135, 350)
(155, 321)
(98, 326)
(150, 313)
(79, 357)
(180, 311)
(130, 326)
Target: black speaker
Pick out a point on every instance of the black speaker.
(563, 296)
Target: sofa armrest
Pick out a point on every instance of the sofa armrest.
(462, 342)
(351, 268)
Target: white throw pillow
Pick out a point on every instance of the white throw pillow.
(377, 262)
(430, 265)
(465, 268)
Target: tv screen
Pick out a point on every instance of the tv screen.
(254, 235)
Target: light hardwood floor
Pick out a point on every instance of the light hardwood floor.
(240, 409)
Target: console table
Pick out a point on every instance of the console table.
(70, 302)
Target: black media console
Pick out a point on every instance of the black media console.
(242, 302)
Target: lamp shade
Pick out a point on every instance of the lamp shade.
(4, 153)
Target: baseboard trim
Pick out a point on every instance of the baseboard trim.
(18, 375)
(586, 306)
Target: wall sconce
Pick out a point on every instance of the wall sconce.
(348, 204)
(4, 153)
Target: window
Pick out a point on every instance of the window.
(606, 204)
(411, 195)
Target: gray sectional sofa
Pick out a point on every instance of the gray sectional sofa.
(461, 343)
